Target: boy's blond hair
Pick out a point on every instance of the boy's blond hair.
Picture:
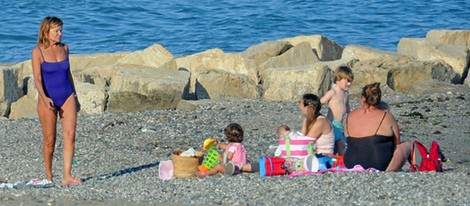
(343, 72)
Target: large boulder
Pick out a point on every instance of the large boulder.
(405, 77)
(138, 88)
(9, 89)
(99, 75)
(362, 53)
(153, 56)
(216, 84)
(400, 74)
(296, 56)
(451, 37)
(333, 65)
(92, 98)
(324, 48)
(369, 71)
(216, 59)
(25, 107)
(413, 47)
(80, 62)
(290, 83)
(450, 46)
(94, 68)
(25, 70)
(261, 52)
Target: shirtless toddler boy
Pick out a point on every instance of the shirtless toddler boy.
(338, 104)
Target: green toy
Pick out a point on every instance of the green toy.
(211, 158)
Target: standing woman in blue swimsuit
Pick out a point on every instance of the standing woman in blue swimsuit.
(56, 95)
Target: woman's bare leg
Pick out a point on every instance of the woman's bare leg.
(68, 116)
(48, 119)
(400, 156)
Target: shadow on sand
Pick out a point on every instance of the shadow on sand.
(122, 172)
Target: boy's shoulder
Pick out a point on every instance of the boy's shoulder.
(328, 95)
(338, 92)
(332, 90)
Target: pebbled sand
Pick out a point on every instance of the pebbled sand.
(117, 155)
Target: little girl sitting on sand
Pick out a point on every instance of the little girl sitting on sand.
(234, 150)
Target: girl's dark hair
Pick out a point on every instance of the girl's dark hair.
(372, 94)
(313, 105)
(234, 133)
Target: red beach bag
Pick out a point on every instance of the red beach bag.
(423, 160)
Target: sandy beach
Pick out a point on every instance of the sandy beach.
(117, 156)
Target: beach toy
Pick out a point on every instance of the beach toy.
(324, 161)
(211, 158)
(271, 166)
(311, 163)
(165, 170)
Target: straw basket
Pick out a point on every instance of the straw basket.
(184, 167)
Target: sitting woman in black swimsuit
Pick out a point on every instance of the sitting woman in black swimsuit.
(373, 136)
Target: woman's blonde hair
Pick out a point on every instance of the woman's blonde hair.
(47, 24)
(313, 105)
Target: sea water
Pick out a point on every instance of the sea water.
(186, 27)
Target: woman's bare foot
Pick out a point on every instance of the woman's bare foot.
(71, 181)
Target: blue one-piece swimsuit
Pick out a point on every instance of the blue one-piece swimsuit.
(56, 81)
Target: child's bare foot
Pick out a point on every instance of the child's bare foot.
(201, 174)
(71, 181)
